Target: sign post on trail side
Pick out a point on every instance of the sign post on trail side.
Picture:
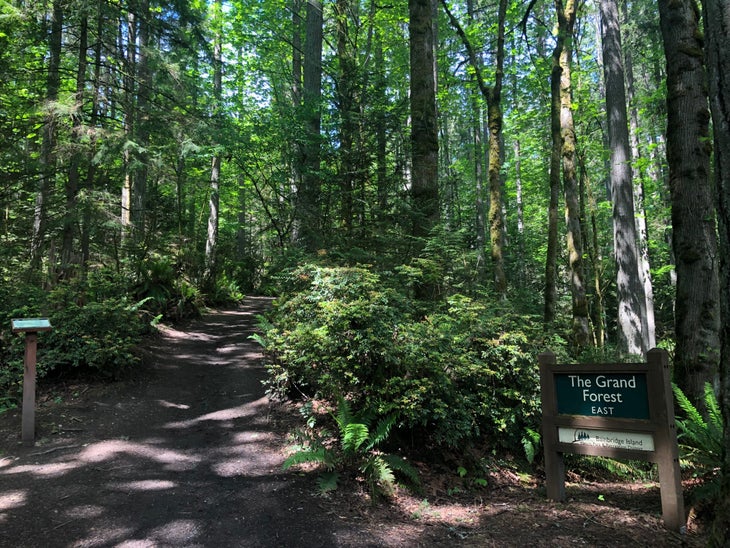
(30, 327)
(622, 411)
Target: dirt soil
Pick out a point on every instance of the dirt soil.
(189, 454)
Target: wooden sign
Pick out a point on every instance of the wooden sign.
(31, 327)
(622, 411)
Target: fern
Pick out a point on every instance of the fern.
(358, 448)
(320, 455)
(700, 442)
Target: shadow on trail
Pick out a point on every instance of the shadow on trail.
(187, 459)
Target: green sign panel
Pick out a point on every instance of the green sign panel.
(613, 395)
(31, 324)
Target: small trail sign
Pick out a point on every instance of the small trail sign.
(622, 411)
(31, 327)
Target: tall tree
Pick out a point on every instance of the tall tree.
(493, 97)
(631, 316)
(697, 313)
(424, 130)
(211, 241)
(308, 193)
(566, 14)
(717, 30)
(48, 146)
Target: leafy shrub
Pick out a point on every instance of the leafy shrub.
(94, 327)
(463, 372)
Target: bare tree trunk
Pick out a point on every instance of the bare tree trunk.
(211, 241)
(641, 224)
(308, 193)
(130, 62)
(697, 313)
(581, 325)
(48, 144)
(72, 183)
(717, 32)
(495, 120)
(424, 130)
(630, 291)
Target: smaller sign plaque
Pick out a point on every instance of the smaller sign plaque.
(30, 324)
(635, 441)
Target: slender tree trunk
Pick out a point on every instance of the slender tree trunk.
(381, 137)
(143, 127)
(630, 291)
(717, 32)
(581, 325)
(494, 117)
(211, 241)
(48, 145)
(308, 194)
(70, 214)
(346, 85)
(130, 65)
(697, 313)
(638, 179)
(551, 259)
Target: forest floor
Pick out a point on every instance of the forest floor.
(190, 453)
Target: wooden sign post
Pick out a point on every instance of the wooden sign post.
(622, 411)
(30, 327)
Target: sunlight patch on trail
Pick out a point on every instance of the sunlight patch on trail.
(12, 499)
(110, 449)
(223, 415)
(144, 485)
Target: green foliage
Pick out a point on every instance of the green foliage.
(700, 441)
(165, 292)
(358, 449)
(95, 328)
(463, 372)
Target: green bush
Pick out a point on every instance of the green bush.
(95, 327)
(464, 372)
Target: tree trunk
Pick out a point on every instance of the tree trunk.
(717, 32)
(346, 91)
(424, 131)
(494, 118)
(697, 313)
(580, 325)
(211, 241)
(142, 126)
(48, 145)
(637, 176)
(551, 259)
(70, 214)
(308, 198)
(130, 65)
(630, 291)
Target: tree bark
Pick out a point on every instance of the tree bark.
(211, 241)
(717, 31)
(424, 130)
(630, 291)
(70, 214)
(308, 194)
(642, 232)
(697, 313)
(48, 145)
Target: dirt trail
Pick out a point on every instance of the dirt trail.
(190, 454)
(189, 457)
